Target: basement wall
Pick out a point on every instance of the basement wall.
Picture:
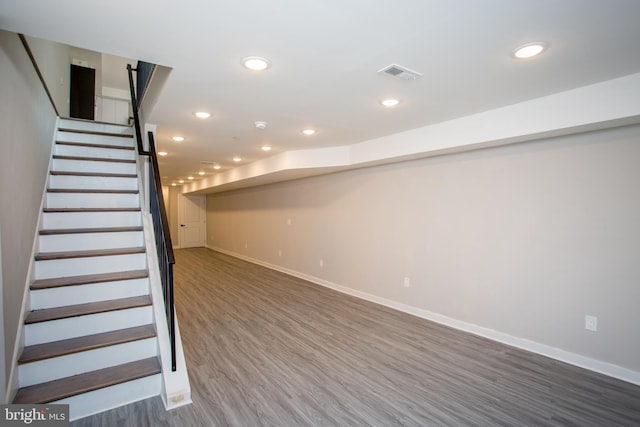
(27, 123)
(517, 243)
(53, 60)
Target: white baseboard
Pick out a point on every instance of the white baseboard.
(575, 359)
(176, 389)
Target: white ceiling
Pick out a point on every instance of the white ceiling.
(325, 55)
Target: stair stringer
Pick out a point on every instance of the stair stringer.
(18, 346)
(176, 390)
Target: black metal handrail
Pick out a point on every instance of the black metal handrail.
(164, 247)
(166, 259)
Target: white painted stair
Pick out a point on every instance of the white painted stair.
(90, 339)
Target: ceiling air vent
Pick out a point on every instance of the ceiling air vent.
(399, 72)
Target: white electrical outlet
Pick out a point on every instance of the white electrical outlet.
(407, 282)
(591, 323)
(246, 245)
(321, 262)
(288, 221)
(280, 253)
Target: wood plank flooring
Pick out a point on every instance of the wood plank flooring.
(267, 349)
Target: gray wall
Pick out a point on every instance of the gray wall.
(524, 239)
(53, 61)
(27, 122)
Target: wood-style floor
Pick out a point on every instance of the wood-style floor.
(267, 349)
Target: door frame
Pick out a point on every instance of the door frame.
(203, 216)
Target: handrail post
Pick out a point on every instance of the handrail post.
(136, 115)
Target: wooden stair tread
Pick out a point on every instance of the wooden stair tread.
(93, 132)
(90, 145)
(50, 350)
(54, 231)
(98, 174)
(90, 381)
(88, 279)
(66, 210)
(67, 311)
(46, 256)
(90, 191)
(92, 159)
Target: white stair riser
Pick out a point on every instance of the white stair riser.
(64, 165)
(90, 241)
(62, 220)
(86, 138)
(97, 401)
(93, 182)
(92, 200)
(95, 127)
(72, 327)
(93, 292)
(98, 152)
(86, 361)
(91, 265)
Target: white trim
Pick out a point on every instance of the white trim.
(575, 359)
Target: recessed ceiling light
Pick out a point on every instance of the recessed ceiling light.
(256, 63)
(162, 153)
(173, 184)
(189, 177)
(529, 50)
(202, 114)
(201, 173)
(237, 159)
(308, 131)
(181, 181)
(217, 167)
(178, 138)
(265, 148)
(390, 102)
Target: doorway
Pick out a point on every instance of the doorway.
(82, 93)
(192, 221)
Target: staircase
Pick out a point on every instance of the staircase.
(90, 339)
